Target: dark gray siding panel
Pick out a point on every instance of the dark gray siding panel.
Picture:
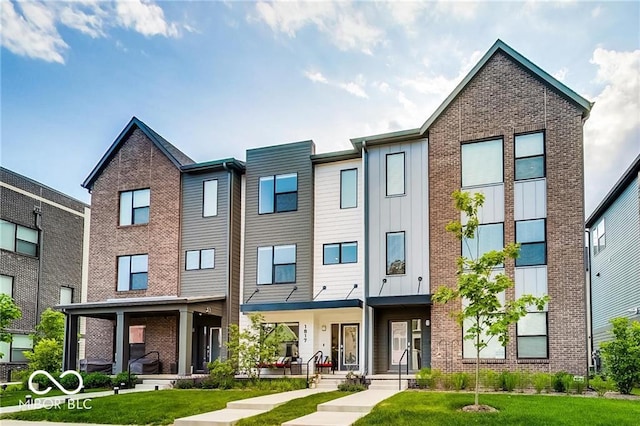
(204, 233)
(280, 228)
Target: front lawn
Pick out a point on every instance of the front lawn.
(11, 398)
(292, 409)
(153, 407)
(439, 408)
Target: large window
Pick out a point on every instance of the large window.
(340, 253)
(532, 336)
(66, 295)
(488, 237)
(199, 259)
(278, 193)
(6, 285)
(134, 207)
(277, 264)
(529, 156)
(18, 238)
(348, 188)
(533, 247)
(395, 253)
(21, 343)
(598, 237)
(210, 198)
(395, 174)
(287, 333)
(482, 163)
(133, 272)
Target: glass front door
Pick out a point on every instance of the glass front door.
(398, 342)
(405, 335)
(345, 346)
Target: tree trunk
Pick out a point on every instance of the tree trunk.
(477, 393)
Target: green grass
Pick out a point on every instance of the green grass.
(292, 409)
(635, 391)
(439, 408)
(155, 407)
(11, 398)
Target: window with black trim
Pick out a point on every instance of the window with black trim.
(395, 173)
(533, 339)
(529, 156)
(19, 239)
(66, 295)
(133, 272)
(210, 198)
(482, 163)
(20, 344)
(278, 193)
(489, 236)
(134, 207)
(531, 234)
(6, 285)
(199, 259)
(277, 264)
(598, 236)
(396, 262)
(336, 253)
(348, 188)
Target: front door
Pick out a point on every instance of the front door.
(215, 343)
(345, 346)
(405, 344)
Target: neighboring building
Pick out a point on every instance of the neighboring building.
(43, 259)
(164, 255)
(614, 255)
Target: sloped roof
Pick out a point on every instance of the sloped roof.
(177, 157)
(501, 46)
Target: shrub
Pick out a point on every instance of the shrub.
(601, 385)
(508, 381)
(96, 381)
(523, 380)
(490, 379)
(46, 355)
(579, 386)
(567, 383)
(460, 381)
(622, 355)
(123, 377)
(446, 381)
(558, 381)
(184, 384)
(221, 375)
(541, 381)
(351, 387)
(70, 381)
(427, 378)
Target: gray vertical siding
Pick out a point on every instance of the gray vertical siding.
(617, 288)
(294, 227)
(203, 233)
(381, 340)
(408, 213)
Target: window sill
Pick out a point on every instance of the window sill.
(484, 361)
(137, 225)
(532, 361)
(395, 195)
(19, 253)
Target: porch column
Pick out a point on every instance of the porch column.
(70, 349)
(185, 334)
(122, 342)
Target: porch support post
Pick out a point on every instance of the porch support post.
(122, 342)
(185, 334)
(70, 349)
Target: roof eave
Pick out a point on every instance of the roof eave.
(386, 138)
(231, 163)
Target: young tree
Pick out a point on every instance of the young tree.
(479, 287)
(622, 355)
(48, 341)
(51, 326)
(9, 312)
(254, 346)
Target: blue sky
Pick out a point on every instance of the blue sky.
(216, 78)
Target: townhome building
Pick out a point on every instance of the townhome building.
(613, 231)
(43, 257)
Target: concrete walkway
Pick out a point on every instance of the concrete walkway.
(344, 411)
(244, 408)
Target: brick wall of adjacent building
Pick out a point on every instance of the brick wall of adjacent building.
(138, 164)
(500, 101)
(59, 260)
(161, 335)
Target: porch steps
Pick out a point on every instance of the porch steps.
(237, 410)
(388, 384)
(330, 381)
(344, 411)
(152, 383)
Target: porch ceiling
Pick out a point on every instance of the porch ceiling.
(399, 301)
(294, 306)
(109, 307)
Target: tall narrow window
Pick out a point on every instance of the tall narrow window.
(533, 247)
(482, 163)
(348, 188)
(529, 156)
(134, 207)
(6, 285)
(598, 235)
(7, 235)
(276, 265)
(133, 272)
(66, 295)
(395, 253)
(210, 198)
(395, 174)
(278, 193)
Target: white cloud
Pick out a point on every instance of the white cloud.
(561, 74)
(596, 11)
(354, 88)
(405, 102)
(316, 77)
(31, 29)
(347, 28)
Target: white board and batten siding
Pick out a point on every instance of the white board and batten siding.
(333, 224)
(408, 213)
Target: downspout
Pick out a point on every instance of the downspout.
(365, 159)
(589, 305)
(229, 246)
(37, 211)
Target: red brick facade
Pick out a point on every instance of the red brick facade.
(501, 100)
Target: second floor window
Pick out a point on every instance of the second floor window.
(134, 207)
(395, 174)
(340, 253)
(277, 264)
(278, 193)
(66, 295)
(396, 264)
(348, 188)
(6, 285)
(18, 238)
(133, 272)
(533, 247)
(199, 259)
(488, 237)
(210, 198)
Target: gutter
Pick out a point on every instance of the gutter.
(229, 243)
(365, 161)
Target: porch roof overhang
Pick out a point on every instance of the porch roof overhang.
(396, 301)
(296, 306)
(110, 307)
